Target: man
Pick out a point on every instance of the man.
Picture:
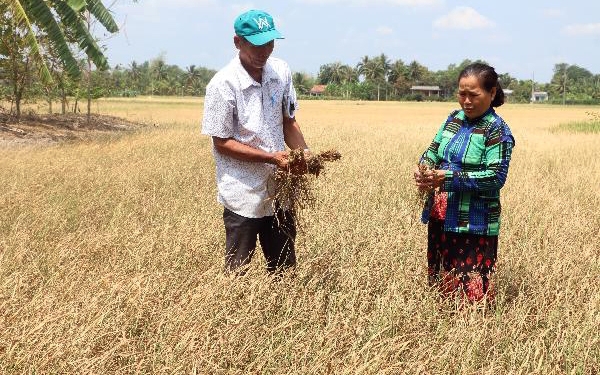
(249, 111)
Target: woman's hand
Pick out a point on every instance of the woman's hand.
(420, 178)
(437, 178)
(428, 179)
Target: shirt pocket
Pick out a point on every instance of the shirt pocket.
(272, 96)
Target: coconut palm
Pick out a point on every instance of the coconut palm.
(339, 73)
(384, 71)
(192, 75)
(397, 77)
(302, 83)
(135, 73)
(57, 17)
(361, 66)
(373, 71)
(418, 73)
(349, 74)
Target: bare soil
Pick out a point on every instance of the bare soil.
(37, 129)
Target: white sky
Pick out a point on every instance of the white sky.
(524, 38)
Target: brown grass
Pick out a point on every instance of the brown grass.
(111, 255)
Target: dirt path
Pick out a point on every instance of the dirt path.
(33, 129)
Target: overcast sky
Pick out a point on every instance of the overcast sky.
(524, 38)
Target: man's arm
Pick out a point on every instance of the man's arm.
(240, 151)
(292, 134)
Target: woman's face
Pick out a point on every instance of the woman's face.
(473, 98)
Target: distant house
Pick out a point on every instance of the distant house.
(426, 90)
(317, 90)
(539, 96)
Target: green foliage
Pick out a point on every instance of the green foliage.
(302, 82)
(378, 78)
(57, 20)
(155, 77)
(580, 127)
(572, 84)
(590, 126)
(336, 73)
(17, 68)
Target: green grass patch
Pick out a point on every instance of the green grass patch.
(578, 127)
(590, 126)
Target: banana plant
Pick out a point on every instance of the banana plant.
(55, 17)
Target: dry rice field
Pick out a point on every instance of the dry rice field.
(111, 255)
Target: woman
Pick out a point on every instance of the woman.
(463, 171)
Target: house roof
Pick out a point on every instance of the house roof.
(426, 88)
(318, 89)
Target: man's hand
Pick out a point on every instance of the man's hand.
(293, 163)
(280, 159)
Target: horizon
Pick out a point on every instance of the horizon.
(436, 33)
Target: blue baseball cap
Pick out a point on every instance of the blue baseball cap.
(257, 27)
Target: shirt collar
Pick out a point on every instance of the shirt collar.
(245, 79)
(477, 119)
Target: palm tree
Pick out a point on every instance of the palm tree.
(135, 74)
(384, 70)
(397, 76)
(559, 80)
(373, 71)
(417, 72)
(192, 75)
(349, 74)
(361, 66)
(158, 72)
(337, 72)
(302, 83)
(54, 16)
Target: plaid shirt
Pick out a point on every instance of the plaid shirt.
(475, 155)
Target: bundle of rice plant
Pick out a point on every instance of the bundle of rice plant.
(293, 186)
(423, 195)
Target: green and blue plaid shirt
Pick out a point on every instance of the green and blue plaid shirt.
(475, 154)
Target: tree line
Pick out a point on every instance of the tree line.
(47, 52)
(379, 78)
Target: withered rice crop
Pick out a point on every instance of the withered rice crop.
(293, 186)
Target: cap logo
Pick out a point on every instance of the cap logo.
(261, 22)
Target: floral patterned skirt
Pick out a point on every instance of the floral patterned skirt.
(461, 263)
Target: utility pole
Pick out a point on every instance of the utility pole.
(532, 99)
(565, 86)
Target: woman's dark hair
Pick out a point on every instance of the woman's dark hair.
(488, 78)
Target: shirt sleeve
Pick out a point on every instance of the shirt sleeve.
(219, 111)
(290, 100)
(430, 157)
(498, 151)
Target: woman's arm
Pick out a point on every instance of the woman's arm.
(498, 151)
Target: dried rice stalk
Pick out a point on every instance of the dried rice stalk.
(423, 195)
(293, 188)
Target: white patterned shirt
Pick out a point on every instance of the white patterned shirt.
(236, 106)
